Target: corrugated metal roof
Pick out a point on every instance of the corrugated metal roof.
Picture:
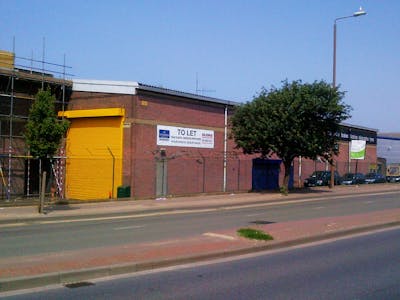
(130, 87)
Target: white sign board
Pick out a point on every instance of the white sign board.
(357, 149)
(184, 137)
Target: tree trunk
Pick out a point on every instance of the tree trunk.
(42, 183)
(42, 193)
(288, 165)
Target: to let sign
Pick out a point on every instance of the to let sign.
(184, 137)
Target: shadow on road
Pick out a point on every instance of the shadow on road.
(261, 222)
(59, 207)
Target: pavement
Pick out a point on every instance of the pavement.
(83, 265)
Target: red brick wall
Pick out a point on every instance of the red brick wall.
(190, 170)
(88, 100)
(179, 110)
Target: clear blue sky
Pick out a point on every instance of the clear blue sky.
(235, 47)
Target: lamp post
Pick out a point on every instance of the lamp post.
(358, 13)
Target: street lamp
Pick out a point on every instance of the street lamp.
(358, 13)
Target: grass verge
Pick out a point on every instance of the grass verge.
(254, 234)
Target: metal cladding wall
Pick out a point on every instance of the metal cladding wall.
(94, 153)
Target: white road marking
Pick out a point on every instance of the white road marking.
(253, 215)
(222, 236)
(368, 202)
(129, 227)
(13, 225)
(319, 207)
(175, 212)
(294, 201)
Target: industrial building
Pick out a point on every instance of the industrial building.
(128, 139)
(157, 142)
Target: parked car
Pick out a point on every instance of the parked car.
(374, 178)
(353, 178)
(393, 179)
(320, 178)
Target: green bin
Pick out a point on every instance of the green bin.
(124, 191)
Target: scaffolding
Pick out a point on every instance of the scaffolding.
(20, 79)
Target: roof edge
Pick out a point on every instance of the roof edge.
(391, 138)
(359, 127)
(161, 90)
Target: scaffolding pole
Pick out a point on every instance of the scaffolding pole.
(37, 71)
(11, 130)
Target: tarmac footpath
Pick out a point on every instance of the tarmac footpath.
(83, 265)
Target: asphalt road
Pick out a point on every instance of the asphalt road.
(363, 267)
(42, 237)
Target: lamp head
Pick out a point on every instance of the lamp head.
(360, 12)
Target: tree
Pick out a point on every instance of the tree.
(43, 131)
(295, 120)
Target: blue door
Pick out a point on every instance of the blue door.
(265, 174)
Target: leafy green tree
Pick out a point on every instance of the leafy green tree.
(298, 119)
(44, 131)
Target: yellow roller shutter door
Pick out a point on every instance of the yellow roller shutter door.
(94, 157)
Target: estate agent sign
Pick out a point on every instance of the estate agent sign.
(184, 137)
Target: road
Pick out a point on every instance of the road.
(362, 267)
(42, 237)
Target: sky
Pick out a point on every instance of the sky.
(218, 48)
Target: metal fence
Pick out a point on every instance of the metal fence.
(155, 177)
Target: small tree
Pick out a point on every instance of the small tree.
(296, 120)
(43, 132)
